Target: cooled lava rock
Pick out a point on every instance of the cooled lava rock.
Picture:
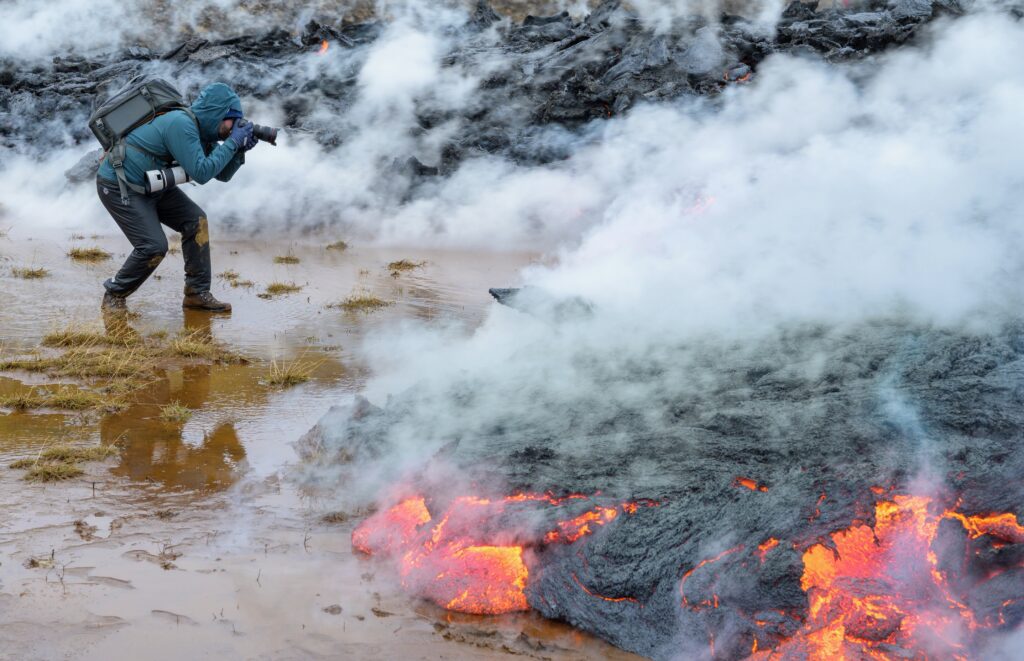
(787, 478)
(551, 71)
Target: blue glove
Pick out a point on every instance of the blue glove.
(241, 134)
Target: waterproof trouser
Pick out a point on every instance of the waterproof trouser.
(140, 220)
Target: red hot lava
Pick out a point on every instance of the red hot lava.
(468, 558)
(881, 592)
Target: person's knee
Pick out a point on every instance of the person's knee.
(154, 251)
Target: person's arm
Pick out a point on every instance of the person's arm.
(182, 140)
(232, 167)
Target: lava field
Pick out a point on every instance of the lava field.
(867, 508)
(808, 491)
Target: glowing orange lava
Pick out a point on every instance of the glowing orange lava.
(753, 485)
(765, 546)
(468, 558)
(323, 47)
(878, 590)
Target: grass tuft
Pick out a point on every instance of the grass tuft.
(197, 344)
(89, 254)
(337, 245)
(66, 398)
(53, 472)
(60, 462)
(175, 412)
(29, 273)
(75, 335)
(230, 274)
(404, 265)
(363, 302)
(285, 374)
(279, 288)
(286, 259)
(72, 453)
(242, 283)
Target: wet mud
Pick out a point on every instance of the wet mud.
(189, 541)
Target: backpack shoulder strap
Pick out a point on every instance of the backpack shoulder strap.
(116, 157)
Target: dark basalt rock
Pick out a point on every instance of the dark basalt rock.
(884, 403)
(556, 70)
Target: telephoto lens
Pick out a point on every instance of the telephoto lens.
(265, 133)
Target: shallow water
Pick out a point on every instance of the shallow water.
(191, 542)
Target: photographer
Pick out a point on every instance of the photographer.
(174, 137)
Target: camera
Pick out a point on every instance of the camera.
(263, 133)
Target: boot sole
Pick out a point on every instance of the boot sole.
(204, 309)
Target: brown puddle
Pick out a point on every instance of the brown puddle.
(189, 543)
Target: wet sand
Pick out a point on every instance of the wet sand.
(191, 542)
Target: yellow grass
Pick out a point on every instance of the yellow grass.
(404, 265)
(337, 245)
(29, 273)
(197, 344)
(363, 302)
(89, 254)
(66, 398)
(286, 259)
(72, 453)
(81, 335)
(60, 462)
(230, 274)
(279, 288)
(175, 412)
(46, 472)
(242, 283)
(285, 374)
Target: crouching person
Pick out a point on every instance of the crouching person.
(173, 137)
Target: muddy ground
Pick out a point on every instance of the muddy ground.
(190, 542)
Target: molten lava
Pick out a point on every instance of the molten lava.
(876, 592)
(323, 47)
(748, 483)
(471, 558)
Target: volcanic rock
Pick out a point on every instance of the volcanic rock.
(829, 421)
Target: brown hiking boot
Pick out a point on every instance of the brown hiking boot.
(112, 303)
(204, 301)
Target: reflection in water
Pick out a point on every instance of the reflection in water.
(154, 449)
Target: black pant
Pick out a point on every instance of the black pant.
(140, 221)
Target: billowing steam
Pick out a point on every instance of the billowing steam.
(734, 278)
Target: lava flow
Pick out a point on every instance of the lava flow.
(904, 588)
(474, 557)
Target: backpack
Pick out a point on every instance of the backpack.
(138, 103)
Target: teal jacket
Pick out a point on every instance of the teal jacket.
(175, 137)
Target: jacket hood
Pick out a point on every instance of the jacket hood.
(212, 106)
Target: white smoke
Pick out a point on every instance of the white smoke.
(814, 195)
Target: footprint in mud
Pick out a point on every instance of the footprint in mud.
(111, 581)
(85, 531)
(173, 617)
(165, 559)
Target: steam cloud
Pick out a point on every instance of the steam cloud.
(707, 238)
